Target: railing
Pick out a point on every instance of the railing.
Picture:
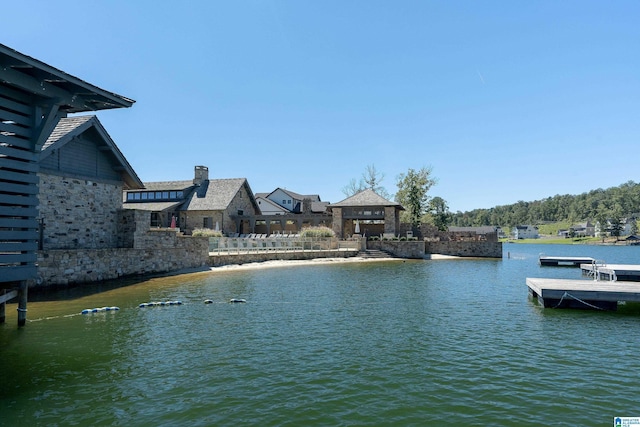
(227, 245)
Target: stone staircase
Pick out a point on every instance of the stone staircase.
(374, 253)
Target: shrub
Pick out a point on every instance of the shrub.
(205, 232)
(317, 232)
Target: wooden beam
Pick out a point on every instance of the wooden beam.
(8, 296)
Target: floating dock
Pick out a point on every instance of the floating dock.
(621, 272)
(569, 261)
(585, 294)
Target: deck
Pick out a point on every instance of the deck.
(620, 272)
(564, 261)
(576, 293)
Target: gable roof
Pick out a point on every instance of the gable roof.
(366, 197)
(272, 205)
(313, 197)
(217, 195)
(485, 229)
(69, 128)
(72, 94)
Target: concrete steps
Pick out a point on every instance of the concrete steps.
(374, 253)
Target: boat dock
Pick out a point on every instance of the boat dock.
(581, 293)
(564, 261)
(621, 272)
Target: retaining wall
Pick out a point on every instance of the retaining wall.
(402, 249)
(465, 249)
(166, 251)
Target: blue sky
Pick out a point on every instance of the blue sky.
(504, 100)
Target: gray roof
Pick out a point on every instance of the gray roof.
(363, 198)
(69, 128)
(168, 185)
(71, 94)
(152, 206)
(486, 229)
(217, 194)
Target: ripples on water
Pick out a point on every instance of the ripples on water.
(402, 343)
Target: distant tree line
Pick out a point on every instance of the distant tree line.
(614, 203)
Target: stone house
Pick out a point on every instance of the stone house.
(222, 204)
(82, 176)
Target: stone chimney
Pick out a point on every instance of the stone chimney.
(201, 174)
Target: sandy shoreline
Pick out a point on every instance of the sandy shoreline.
(291, 263)
(316, 261)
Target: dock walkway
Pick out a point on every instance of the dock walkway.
(564, 261)
(581, 293)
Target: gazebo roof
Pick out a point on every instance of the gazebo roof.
(364, 198)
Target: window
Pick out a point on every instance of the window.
(136, 196)
(179, 194)
(205, 223)
(144, 196)
(129, 196)
(172, 195)
(289, 201)
(152, 195)
(158, 195)
(165, 194)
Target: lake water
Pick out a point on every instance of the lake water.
(441, 342)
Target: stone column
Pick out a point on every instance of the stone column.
(337, 224)
(391, 222)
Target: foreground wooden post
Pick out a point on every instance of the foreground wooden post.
(2, 308)
(22, 303)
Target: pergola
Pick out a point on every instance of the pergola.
(34, 96)
(366, 213)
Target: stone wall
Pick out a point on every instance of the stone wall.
(465, 249)
(165, 251)
(78, 213)
(399, 248)
(422, 249)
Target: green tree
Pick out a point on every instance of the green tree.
(412, 193)
(439, 212)
(616, 221)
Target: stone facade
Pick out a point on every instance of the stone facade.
(465, 249)
(78, 213)
(403, 249)
(422, 249)
(165, 251)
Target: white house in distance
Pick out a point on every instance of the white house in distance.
(281, 202)
(525, 232)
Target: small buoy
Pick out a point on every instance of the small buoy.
(144, 304)
(234, 300)
(208, 301)
(86, 311)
